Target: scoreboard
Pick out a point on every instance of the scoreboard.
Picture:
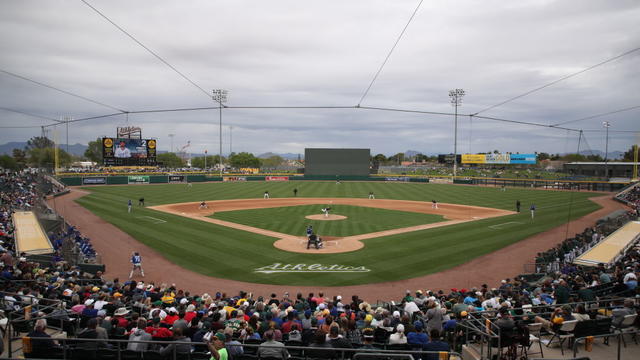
(128, 152)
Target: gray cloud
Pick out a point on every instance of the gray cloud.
(325, 53)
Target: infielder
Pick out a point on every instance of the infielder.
(136, 260)
(203, 205)
(266, 195)
(371, 195)
(434, 204)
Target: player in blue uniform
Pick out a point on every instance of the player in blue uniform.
(136, 260)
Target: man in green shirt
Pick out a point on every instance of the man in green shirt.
(216, 347)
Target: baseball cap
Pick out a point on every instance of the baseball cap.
(417, 324)
(220, 336)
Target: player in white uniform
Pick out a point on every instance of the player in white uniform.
(122, 151)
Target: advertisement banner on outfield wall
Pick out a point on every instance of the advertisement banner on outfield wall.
(176, 178)
(497, 158)
(276, 178)
(94, 180)
(473, 159)
(523, 158)
(234, 178)
(138, 179)
(397, 178)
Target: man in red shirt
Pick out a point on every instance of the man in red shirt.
(157, 331)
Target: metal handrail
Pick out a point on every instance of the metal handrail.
(618, 334)
(65, 347)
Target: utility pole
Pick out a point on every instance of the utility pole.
(171, 137)
(606, 125)
(220, 96)
(456, 100)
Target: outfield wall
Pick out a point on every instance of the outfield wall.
(141, 178)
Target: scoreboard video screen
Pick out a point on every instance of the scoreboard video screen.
(337, 161)
(128, 152)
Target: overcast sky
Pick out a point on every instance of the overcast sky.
(325, 53)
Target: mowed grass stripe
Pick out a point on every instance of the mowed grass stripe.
(223, 252)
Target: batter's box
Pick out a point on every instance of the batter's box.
(503, 225)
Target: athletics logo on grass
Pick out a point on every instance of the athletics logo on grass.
(311, 268)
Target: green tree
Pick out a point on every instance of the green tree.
(380, 158)
(170, 160)
(629, 154)
(244, 160)
(20, 156)
(39, 142)
(45, 157)
(272, 161)
(7, 162)
(212, 160)
(543, 156)
(395, 159)
(94, 151)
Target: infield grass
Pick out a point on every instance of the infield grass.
(360, 220)
(195, 244)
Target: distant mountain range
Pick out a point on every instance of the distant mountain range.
(75, 149)
(613, 155)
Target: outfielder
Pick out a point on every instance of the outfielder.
(533, 211)
(136, 260)
(129, 206)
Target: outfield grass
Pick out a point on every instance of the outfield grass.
(228, 253)
(360, 220)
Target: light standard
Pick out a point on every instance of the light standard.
(66, 120)
(606, 125)
(205, 160)
(456, 100)
(220, 96)
(171, 137)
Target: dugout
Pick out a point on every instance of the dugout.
(337, 162)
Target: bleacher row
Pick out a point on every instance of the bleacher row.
(110, 319)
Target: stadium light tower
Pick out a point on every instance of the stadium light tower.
(606, 125)
(220, 96)
(456, 100)
(171, 137)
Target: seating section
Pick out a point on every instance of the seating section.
(103, 317)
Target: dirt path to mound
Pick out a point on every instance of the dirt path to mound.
(115, 246)
(455, 213)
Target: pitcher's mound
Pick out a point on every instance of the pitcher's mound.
(322, 217)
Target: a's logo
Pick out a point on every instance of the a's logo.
(311, 268)
(151, 144)
(108, 142)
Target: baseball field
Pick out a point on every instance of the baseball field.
(238, 242)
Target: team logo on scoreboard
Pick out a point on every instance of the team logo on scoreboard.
(108, 142)
(151, 144)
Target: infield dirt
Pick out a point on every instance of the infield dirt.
(455, 214)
